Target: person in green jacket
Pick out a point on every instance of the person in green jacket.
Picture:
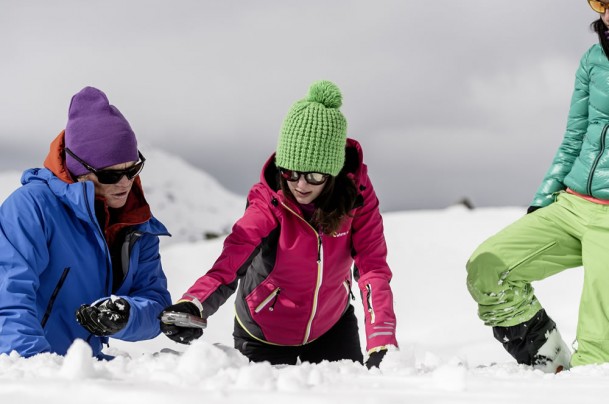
(567, 226)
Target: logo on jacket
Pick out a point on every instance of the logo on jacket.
(344, 233)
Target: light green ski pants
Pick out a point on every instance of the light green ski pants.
(570, 232)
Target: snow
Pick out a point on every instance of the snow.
(446, 354)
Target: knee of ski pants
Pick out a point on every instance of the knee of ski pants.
(484, 274)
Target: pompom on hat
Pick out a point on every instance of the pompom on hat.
(314, 132)
(97, 133)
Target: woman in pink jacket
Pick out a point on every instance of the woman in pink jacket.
(313, 215)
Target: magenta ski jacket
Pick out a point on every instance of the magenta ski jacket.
(295, 281)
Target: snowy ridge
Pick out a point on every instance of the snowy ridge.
(191, 203)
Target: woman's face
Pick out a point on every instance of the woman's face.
(304, 192)
(114, 194)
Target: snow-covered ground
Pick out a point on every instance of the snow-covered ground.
(446, 355)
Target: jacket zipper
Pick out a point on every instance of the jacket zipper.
(274, 294)
(369, 300)
(94, 221)
(320, 268)
(47, 312)
(596, 160)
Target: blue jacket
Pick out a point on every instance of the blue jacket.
(54, 257)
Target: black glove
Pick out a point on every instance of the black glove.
(104, 318)
(532, 209)
(375, 358)
(183, 335)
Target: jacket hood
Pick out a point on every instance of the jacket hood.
(55, 160)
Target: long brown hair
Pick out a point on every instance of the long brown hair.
(335, 202)
(600, 28)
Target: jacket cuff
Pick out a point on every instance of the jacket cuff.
(381, 348)
(192, 299)
(380, 342)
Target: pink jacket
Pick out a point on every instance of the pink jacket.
(296, 281)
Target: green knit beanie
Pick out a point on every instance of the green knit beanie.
(314, 132)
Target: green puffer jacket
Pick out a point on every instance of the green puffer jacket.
(582, 160)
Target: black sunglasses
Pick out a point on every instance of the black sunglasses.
(112, 176)
(312, 178)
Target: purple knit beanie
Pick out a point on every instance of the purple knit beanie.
(97, 133)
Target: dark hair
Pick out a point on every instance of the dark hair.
(334, 203)
(600, 28)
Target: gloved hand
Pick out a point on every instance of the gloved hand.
(375, 358)
(106, 317)
(183, 335)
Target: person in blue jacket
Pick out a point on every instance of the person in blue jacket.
(79, 247)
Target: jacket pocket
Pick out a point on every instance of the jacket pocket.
(123, 266)
(49, 308)
(270, 299)
(265, 298)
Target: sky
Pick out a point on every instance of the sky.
(449, 99)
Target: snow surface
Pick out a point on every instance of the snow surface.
(446, 355)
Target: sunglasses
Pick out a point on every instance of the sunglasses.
(598, 6)
(310, 177)
(112, 176)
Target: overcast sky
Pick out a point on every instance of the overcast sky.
(449, 99)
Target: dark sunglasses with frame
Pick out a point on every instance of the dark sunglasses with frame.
(111, 176)
(310, 177)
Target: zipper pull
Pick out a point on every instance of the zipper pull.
(351, 291)
(370, 308)
(318, 248)
(274, 300)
